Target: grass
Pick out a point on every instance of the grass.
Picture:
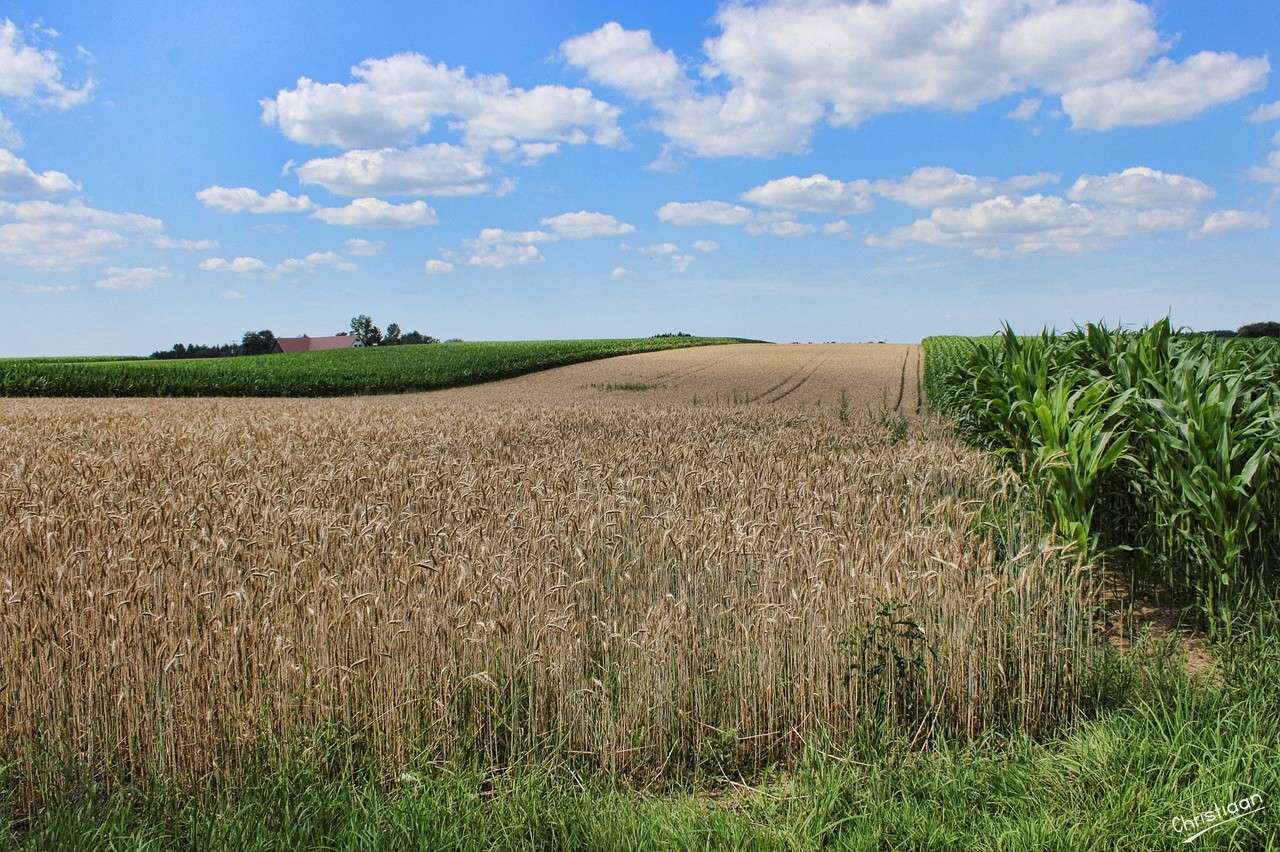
(332, 373)
(1162, 749)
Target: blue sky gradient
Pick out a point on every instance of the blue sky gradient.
(136, 108)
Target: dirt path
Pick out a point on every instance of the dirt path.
(796, 375)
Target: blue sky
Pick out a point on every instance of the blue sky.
(782, 170)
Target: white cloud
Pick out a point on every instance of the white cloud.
(9, 135)
(316, 260)
(1169, 91)
(706, 245)
(232, 294)
(1007, 225)
(434, 169)
(243, 199)
(496, 255)
(835, 228)
(49, 235)
(17, 178)
(936, 186)
(778, 69)
(678, 259)
(239, 265)
(132, 278)
(1025, 110)
(778, 225)
(34, 74)
(47, 289)
(816, 193)
(363, 248)
(1222, 221)
(167, 242)
(438, 267)
(1021, 183)
(501, 235)
(1140, 186)
(583, 224)
(620, 272)
(627, 60)
(1267, 112)
(689, 213)
(376, 213)
(394, 100)
(1270, 172)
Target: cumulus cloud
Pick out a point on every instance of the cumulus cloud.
(1169, 91)
(376, 213)
(1096, 212)
(778, 69)
(47, 289)
(778, 225)
(1141, 187)
(679, 260)
(167, 242)
(434, 169)
(363, 248)
(393, 101)
(438, 267)
(131, 278)
(1221, 221)
(583, 224)
(835, 228)
(620, 272)
(925, 187)
(1269, 172)
(17, 178)
(60, 236)
(627, 60)
(936, 186)
(495, 255)
(689, 213)
(1267, 112)
(816, 193)
(239, 265)
(316, 260)
(243, 199)
(34, 74)
(232, 294)
(706, 245)
(1025, 110)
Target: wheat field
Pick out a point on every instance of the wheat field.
(189, 588)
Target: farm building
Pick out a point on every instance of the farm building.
(314, 344)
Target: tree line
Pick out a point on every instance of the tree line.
(264, 341)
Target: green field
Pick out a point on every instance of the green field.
(340, 372)
(1146, 444)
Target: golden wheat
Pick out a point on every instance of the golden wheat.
(187, 587)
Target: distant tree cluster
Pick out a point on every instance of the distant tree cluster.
(674, 334)
(1259, 329)
(368, 334)
(253, 343)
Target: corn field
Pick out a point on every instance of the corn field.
(1162, 443)
(190, 588)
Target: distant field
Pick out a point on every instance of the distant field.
(334, 373)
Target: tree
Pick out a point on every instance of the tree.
(365, 332)
(1260, 329)
(258, 342)
(392, 337)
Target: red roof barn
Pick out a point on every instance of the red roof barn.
(314, 344)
